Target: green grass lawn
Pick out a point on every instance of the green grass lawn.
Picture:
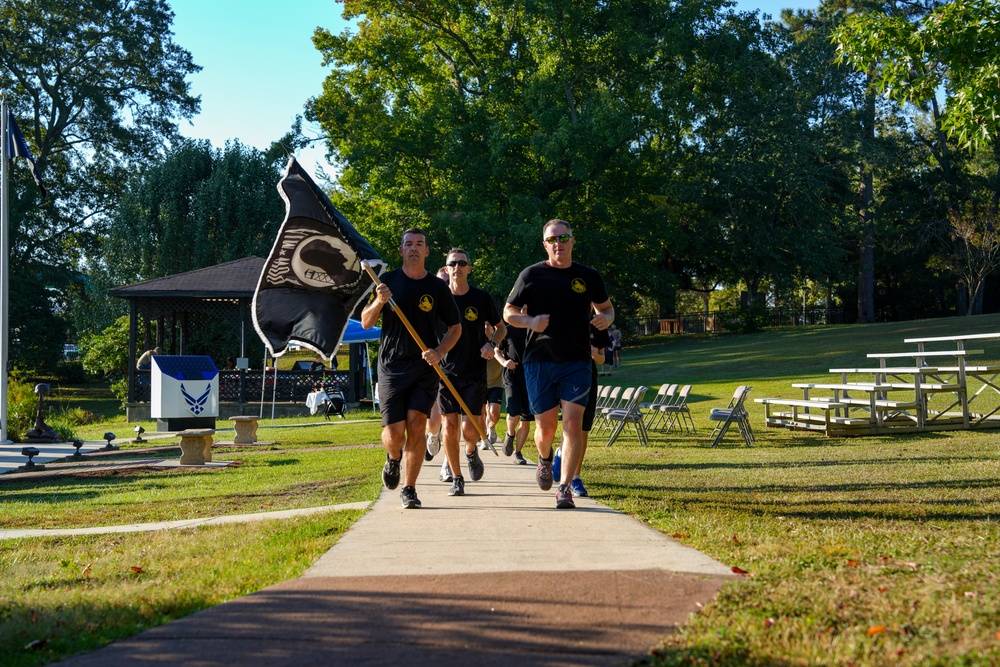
(863, 551)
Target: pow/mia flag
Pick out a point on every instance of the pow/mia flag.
(313, 280)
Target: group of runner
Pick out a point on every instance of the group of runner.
(559, 313)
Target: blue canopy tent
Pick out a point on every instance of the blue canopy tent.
(355, 333)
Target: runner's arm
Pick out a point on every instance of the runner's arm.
(605, 315)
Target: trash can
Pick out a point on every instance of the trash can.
(184, 392)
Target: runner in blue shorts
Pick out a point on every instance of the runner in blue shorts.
(407, 381)
(557, 301)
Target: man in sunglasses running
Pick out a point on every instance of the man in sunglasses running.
(465, 366)
(557, 301)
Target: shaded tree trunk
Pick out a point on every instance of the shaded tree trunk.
(866, 259)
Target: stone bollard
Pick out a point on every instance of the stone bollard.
(246, 429)
(196, 446)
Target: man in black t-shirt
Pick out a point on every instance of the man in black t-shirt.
(556, 300)
(519, 417)
(465, 366)
(407, 381)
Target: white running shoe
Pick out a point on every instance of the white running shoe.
(433, 444)
(491, 435)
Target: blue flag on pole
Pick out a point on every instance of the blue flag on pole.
(18, 147)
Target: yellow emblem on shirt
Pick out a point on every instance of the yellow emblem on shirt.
(471, 314)
(578, 286)
(426, 303)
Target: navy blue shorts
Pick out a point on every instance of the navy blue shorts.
(550, 382)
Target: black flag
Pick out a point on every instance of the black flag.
(313, 280)
(18, 147)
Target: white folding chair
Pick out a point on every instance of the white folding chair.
(678, 412)
(658, 409)
(630, 414)
(734, 412)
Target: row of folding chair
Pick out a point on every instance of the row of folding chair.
(670, 408)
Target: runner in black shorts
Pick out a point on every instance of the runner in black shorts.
(598, 343)
(519, 415)
(465, 366)
(407, 381)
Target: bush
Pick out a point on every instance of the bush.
(71, 372)
(77, 417)
(120, 389)
(22, 404)
(745, 320)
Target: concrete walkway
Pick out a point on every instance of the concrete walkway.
(497, 577)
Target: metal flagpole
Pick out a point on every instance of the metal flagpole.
(4, 257)
(263, 384)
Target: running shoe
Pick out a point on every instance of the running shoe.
(543, 474)
(578, 488)
(519, 457)
(390, 473)
(476, 467)
(484, 445)
(491, 435)
(409, 497)
(508, 445)
(557, 465)
(445, 471)
(457, 487)
(433, 445)
(564, 498)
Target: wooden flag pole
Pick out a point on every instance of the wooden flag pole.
(437, 367)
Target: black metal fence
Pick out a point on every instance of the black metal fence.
(720, 321)
(246, 386)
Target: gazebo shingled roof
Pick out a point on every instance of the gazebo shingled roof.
(232, 280)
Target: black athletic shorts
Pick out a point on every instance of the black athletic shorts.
(416, 389)
(517, 398)
(494, 395)
(473, 393)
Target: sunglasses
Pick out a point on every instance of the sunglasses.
(457, 262)
(562, 238)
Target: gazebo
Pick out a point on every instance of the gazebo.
(208, 312)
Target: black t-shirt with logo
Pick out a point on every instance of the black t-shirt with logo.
(427, 303)
(566, 296)
(465, 360)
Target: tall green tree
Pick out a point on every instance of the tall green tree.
(763, 188)
(480, 120)
(922, 49)
(194, 207)
(97, 86)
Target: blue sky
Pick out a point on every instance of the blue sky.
(260, 67)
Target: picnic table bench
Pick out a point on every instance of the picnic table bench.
(810, 414)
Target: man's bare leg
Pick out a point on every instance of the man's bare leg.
(413, 459)
(572, 440)
(451, 427)
(545, 432)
